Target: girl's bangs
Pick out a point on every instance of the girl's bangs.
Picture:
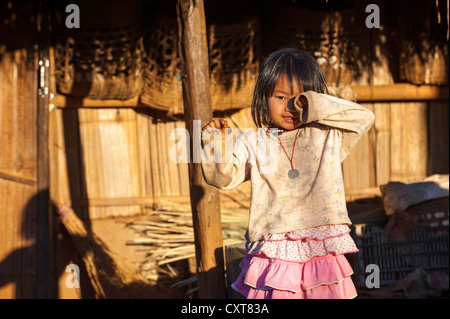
(298, 72)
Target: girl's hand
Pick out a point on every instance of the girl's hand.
(302, 102)
(216, 124)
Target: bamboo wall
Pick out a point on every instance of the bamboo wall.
(114, 161)
(18, 154)
(118, 160)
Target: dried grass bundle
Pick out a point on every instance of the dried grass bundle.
(168, 235)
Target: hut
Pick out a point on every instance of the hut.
(90, 116)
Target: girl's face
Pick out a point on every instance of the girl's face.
(281, 105)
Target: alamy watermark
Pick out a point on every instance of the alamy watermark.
(373, 279)
(73, 19)
(373, 19)
(73, 279)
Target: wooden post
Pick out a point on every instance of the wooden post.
(197, 106)
(45, 283)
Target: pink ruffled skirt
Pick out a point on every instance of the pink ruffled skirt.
(303, 264)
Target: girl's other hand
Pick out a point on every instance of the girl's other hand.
(215, 125)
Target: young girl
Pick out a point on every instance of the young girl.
(298, 223)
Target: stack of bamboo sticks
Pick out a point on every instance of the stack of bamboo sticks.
(168, 236)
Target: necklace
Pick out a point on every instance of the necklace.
(279, 131)
(293, 172)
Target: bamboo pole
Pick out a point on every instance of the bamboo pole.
(68, 101)
(365, 93)
(400, 92)
(205, 200)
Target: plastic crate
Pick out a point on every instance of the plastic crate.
(423, 249)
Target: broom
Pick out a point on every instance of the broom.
(109, 277)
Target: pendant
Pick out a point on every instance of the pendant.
(293, 173)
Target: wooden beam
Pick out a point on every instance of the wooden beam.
(67, 101)
(16, 178)
(205, 200)
(399, 92)
(365, 93)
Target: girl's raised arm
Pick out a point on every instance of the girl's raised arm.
(224, 162)
(352, 119)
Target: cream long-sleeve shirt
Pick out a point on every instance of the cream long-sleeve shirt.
(331, 128)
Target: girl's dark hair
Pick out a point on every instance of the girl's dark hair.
(298, 66)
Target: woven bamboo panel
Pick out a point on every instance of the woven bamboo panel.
(235, 54)
(102, 59)
(162, 75)
(234, 57)
(423, 46)
(325, 34)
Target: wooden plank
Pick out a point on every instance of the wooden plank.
(364, 93)
(20, 249)
(71, 179)
(110, 201)
(382, 143)
(154, 163)
(400, 92)
(397, 142)
(438, 128)
(365, 192)
(109, 148)
(415, 135)
(359, 166)
(144, 155)
(17, 178)
(67, 101)
(17, 120)
(163, 158)
(205, 200)
(44, 276)
(408, 140)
